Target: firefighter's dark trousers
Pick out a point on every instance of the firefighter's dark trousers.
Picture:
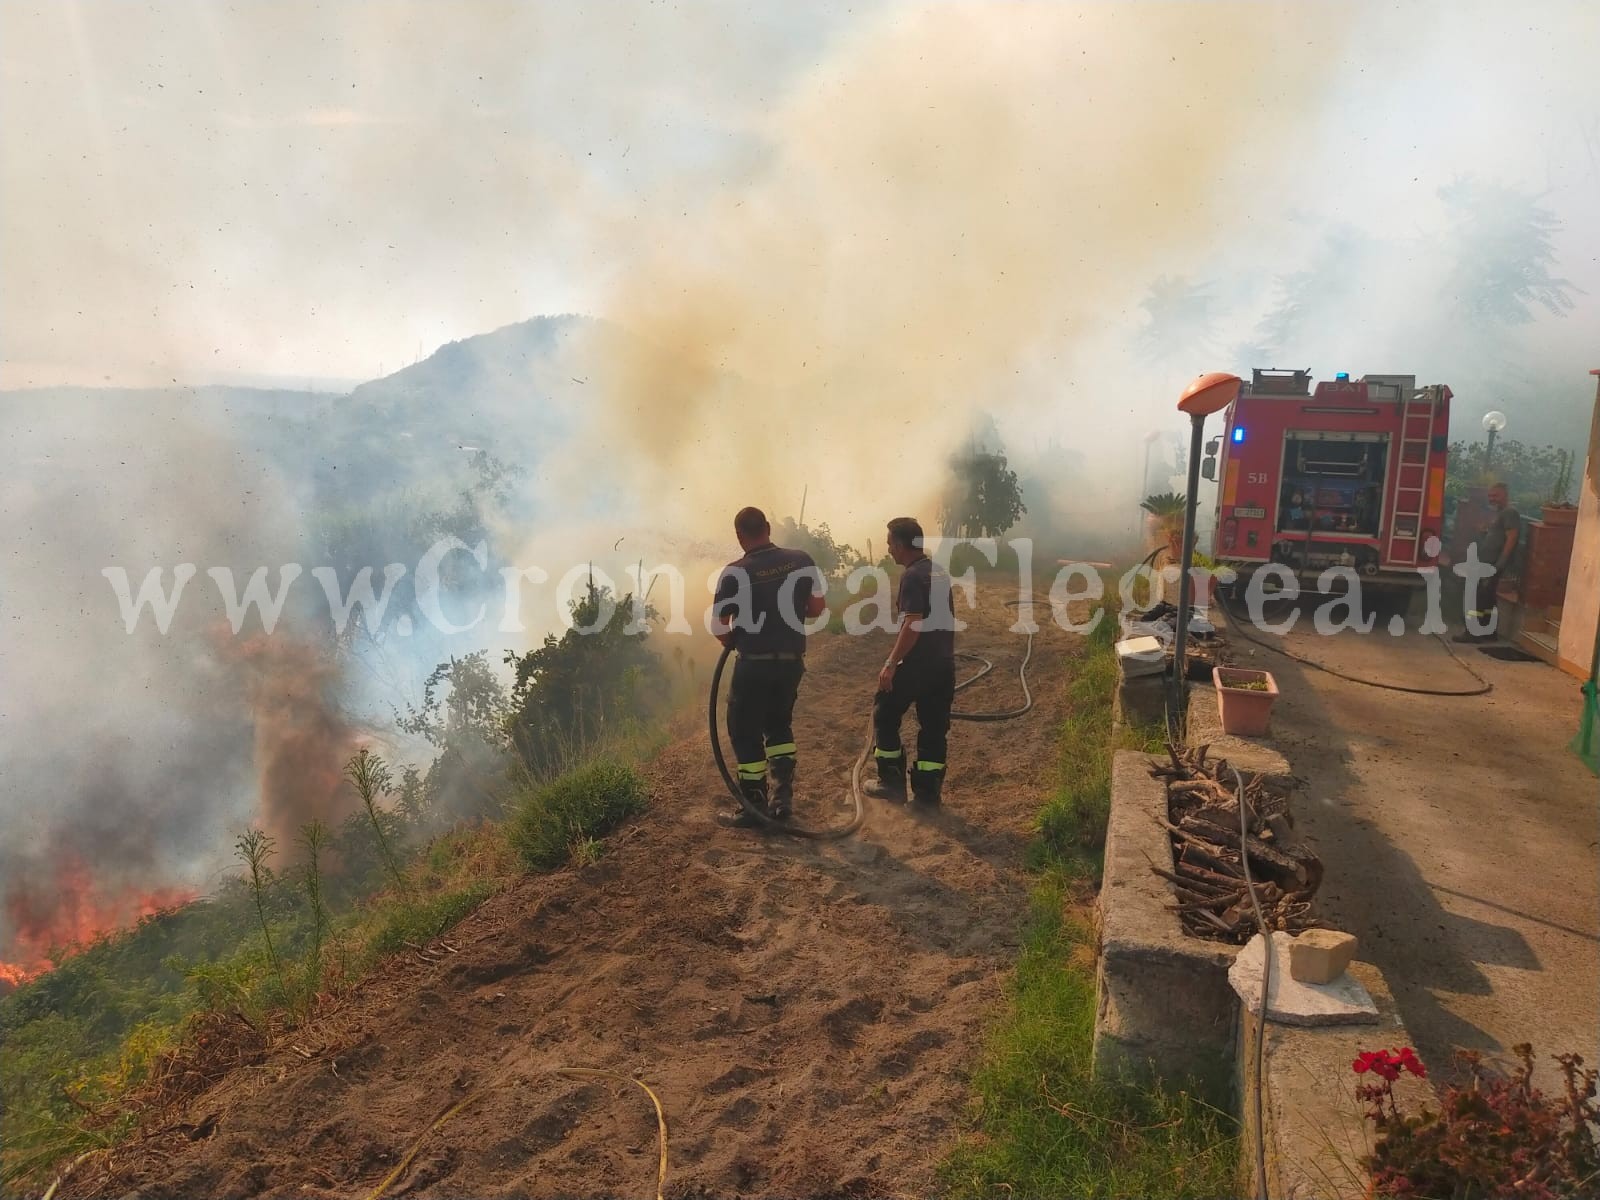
(931, 686)
(1480, 604)
(761, 712)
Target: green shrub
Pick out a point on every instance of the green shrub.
(586, 802)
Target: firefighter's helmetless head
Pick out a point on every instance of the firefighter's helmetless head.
(750, 526)
(1498, 496)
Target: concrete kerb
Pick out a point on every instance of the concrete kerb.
(1165, 1008)
(1316, 1135)
(1204, 728)
(1315, 1132)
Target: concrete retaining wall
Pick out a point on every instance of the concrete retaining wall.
(1164, 1004)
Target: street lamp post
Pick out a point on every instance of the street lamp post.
(1144, 480)
(1206, 395)
(1493, 423)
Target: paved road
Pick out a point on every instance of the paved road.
(1461, 837)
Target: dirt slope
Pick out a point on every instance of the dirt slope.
(807, 1012)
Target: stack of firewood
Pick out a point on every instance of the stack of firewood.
(1208, 871)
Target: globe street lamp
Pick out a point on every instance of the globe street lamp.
(1493, 423)
(1206, 395)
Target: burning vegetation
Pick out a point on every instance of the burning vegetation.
(76, 911)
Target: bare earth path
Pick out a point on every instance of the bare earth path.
(1461, 837)
(806, 1012)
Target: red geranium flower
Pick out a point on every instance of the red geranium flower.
(1410, 1061)
(1387, 1064)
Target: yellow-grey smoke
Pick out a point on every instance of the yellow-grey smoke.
(950, 196)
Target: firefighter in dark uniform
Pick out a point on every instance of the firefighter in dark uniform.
(921, 671)
(759, 609)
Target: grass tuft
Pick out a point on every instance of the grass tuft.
(414, 920)
(585, 803)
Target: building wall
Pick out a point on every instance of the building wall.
(1582, 608)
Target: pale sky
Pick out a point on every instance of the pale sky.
(321, 188)
(192, 190)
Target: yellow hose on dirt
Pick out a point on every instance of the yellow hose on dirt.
(661, 1114)
(587, 1072)
(61, 1178)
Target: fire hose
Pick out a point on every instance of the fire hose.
(799, 831)
(1484, 686)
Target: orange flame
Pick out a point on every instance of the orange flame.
(50, 923)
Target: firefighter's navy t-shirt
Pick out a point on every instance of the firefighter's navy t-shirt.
(925, 592)
(1492, 542)
(765, 595)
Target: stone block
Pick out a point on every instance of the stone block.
(1291, 1002)
(1321, 955)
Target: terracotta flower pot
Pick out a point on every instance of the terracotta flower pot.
(1245, 712)
(1559, 514)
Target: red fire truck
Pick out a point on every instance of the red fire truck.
(1346, 473)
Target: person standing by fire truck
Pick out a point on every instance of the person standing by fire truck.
(1496, 545)
(757, 611)
(921, 671)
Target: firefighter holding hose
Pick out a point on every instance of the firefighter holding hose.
(920, 671)
(759, 609)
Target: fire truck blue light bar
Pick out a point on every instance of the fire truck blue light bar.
(1238, 433)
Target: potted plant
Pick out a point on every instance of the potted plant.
(1244, 700)
(1556, 510)
(1164, 520)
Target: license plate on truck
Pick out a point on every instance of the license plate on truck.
(1250, 514)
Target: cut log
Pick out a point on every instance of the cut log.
(1198, 851)
(1193, 856)
(1199, 787)
(1210, 905)
(1203, 875)
(1216, 884)
(1211, 918)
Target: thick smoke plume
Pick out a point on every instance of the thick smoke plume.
(302, 737)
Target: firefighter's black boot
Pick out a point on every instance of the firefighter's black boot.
(891, 781)
(755, 796)
(783, 788)
(926, 787)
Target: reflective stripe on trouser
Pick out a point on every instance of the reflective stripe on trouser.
(1479, 601)
(781, 750)
(924, 765)
(877, 753)
(755, 770)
